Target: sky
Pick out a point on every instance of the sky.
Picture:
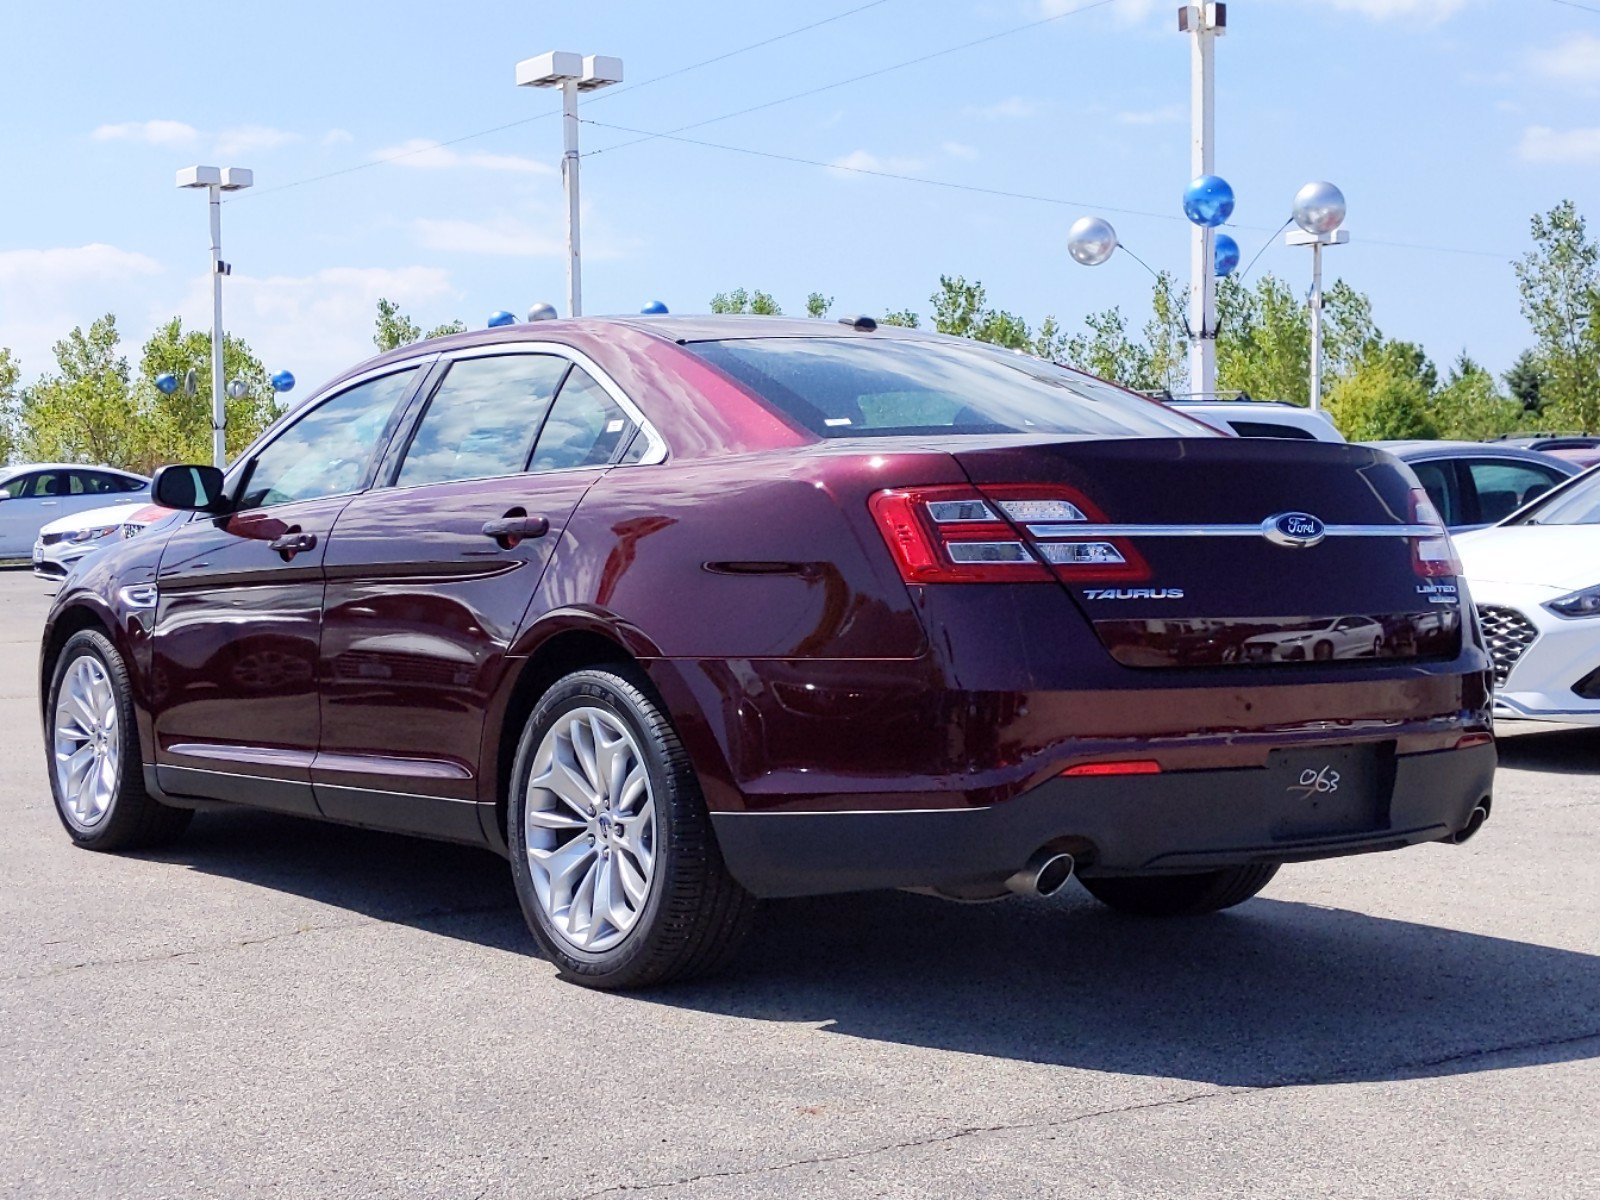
(1447, 123)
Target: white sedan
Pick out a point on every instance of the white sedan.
(1535, 579)
(33, 495)
(62, 544)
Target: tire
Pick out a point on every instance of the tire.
(1180, 895)
(110, 810)
(692, 915)
(1322, 651)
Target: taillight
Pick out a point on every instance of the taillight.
(1433, 556)
(1020, 534)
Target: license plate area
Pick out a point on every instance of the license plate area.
(1330, 790)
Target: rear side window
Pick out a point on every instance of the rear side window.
(1504, 487)
(1261, 429)
(482, 421)
(585, 427)
(1438, 480)
(866, 387)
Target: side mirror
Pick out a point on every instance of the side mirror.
(188, 488)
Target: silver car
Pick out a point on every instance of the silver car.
(33, 496)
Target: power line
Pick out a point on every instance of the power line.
(629, 87)
(1588, 8)
(873, 74)
(1060, 201)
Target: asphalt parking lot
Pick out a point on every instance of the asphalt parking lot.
(276, 1008)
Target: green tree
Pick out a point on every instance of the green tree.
(84, 411)
(10, 400)
(1525, 381)
(818, 305)
(394, 329)
(1559, 280)
(902, 317)
(740, 301)
(1107, 349)
(1381, 399)
(177, 427)
(1470, 407)
(961, 308)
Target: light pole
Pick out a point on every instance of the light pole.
(1206, 22)
(1319, 210)
(216, 181)
(572, 74)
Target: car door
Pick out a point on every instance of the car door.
(429, 577)
(18, 510)
(1497, 487)
(239, 608)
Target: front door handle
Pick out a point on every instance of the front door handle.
(511, 529)
(292, 543)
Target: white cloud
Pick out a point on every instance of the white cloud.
(44, 293)
(1574, 62)
(1012, 108)
(1167, 114)
(858, 161)
(959, 150)
(503, 236)
(337, 137)
(251, 139)
(151, 133)
(1569, 147)
(422, 154)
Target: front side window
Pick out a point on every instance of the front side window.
(861, 387)
(584, 429)
(483, 419)
(22, 485)
(326, 452)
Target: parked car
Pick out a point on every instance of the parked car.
(1263, 419)
(33, 496)
(1474, 484)
(1536, 581)
(677, 613)
(1343, 637)
(63, 544)
(1550, 441)
(1581, 457)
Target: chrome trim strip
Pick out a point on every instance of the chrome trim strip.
(1191, 531)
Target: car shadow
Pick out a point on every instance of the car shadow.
(1565, 751)
(1273, 993)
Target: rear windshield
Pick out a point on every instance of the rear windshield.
(863, 387)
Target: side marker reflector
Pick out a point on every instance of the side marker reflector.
(1133, 766)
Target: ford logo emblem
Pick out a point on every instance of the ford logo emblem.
(1296, 529)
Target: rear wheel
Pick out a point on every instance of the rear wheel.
(616, 867)
(96, 770)
(1181, 895)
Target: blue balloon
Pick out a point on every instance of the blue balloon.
(1225, 255)
(1208, 201)
(655, 308)
(283, 381)
(502, 317)
(167, 382)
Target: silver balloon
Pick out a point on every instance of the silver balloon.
(1319, 207)
(542, 312)
(1091, 241)
(238, 389)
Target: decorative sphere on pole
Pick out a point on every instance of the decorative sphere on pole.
(1225, 255)
(1091, 241)
(237, 389)
(1319, 207)
(1208, 201)
(654, 309)
(501, 317)
(166, 383)
(283, 381)
(542, 312)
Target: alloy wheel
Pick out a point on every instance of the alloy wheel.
(88, 742)
(589, 828)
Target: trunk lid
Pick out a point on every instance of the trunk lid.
(1218, 567)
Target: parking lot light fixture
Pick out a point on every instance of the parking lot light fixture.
(572, 73)
(217, 180)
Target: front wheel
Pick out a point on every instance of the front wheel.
(616, 867)
(1181, 895)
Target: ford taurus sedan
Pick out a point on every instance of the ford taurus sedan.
(678, 613)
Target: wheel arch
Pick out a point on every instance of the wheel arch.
(71, 620)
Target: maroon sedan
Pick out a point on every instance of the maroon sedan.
(677, 613)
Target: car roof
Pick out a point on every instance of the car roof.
(16, 469)
(1422, 448)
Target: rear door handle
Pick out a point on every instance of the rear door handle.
(510, 530)
(292, 543)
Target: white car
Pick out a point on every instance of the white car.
(62, 544)
(1535, 579)
(1346, 637)
(33, 496)
(1262, 418)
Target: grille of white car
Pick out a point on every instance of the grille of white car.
(1508, 634)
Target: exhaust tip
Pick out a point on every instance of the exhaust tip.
(1044, 874)
(1480, 814)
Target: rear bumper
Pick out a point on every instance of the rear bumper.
(1174, 822)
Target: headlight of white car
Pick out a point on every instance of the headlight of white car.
(81, 536)
(1578, 604)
